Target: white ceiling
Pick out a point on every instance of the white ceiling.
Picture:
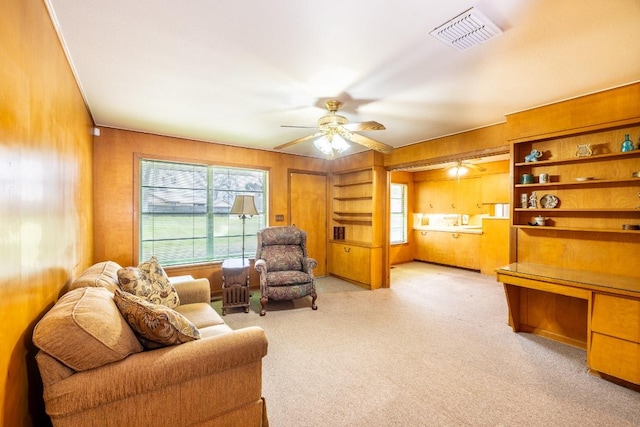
(233, 72)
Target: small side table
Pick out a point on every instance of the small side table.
(235, 284)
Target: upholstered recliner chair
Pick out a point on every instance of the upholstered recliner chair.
(286, 271)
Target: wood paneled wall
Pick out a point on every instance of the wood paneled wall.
(118, 151)
(485, 141)
(46, 210)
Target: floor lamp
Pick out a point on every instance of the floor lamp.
(243, 206)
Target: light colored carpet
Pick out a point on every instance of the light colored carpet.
(433, 350)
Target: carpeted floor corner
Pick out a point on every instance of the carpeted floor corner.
(433, 350)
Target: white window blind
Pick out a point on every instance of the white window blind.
(184, 211)
(398, 203)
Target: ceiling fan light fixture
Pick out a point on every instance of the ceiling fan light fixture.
(458, 170)
(323, 145)
(339, 144)
(331, 145)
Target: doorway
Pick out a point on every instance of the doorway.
(308, 211)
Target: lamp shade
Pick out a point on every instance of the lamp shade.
(244, 205)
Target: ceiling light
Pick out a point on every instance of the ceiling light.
(466, 30)
(331, 145)
(458, 170)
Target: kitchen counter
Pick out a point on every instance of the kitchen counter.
(468, 229)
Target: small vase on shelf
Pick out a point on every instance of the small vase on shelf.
(627, 145)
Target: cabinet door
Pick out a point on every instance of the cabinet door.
(422, 197)
(338, 261)
(443, 198)
(495, 188)
(468, 196)
(466, 248)
(351, 262)
(420, 239)
(440, 245)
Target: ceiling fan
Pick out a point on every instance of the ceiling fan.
(461, 167)
(334, 131)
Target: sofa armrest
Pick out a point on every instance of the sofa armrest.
(192, 291)
(150, 371)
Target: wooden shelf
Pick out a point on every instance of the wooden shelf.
(353, 198)
(351, 184)
(350, 213)
(353, 221)
(583, 210)
(594, 158)
(590, 230)
(602, 204)
(589, 183)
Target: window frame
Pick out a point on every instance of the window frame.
(137, 208)
(403, 212)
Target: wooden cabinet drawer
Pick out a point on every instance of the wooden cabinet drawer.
(616, 316)
(615, 357)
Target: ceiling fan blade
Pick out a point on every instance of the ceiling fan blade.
(476, 167)
(363, 126)
(296, 141)
(472, 166)
(300, 127)
(369, 143)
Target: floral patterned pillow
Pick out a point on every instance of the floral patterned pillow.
(155, 325)
(150, 282)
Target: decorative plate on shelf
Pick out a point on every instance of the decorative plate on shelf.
(549, 201)
(584, 178)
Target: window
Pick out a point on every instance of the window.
(184, 211)
(398, 213)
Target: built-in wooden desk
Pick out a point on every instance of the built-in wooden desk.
(598, 312)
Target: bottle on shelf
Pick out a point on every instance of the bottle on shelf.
(627, 145)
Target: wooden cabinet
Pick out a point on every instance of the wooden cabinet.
(495, 188)
(462, 196)
(455, 249)
(358, 264)
(468, 194)
(595, 193)
(435, 196)
(359, 206)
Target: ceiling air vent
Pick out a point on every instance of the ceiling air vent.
(466, 30)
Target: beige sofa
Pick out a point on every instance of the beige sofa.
(95, 371)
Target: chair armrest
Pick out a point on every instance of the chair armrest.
(261, 266)
(192, 291)
(308, 264)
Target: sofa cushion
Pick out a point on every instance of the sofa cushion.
(287, 278)
(85, 330)
(200, 314)
(150, 282)
(155, 324)
(103, 274)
